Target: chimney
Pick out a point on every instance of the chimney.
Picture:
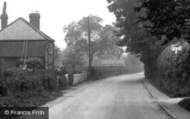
(4, 17)
(35, 20)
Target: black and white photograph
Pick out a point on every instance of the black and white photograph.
(94, 59)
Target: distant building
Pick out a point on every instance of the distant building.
(106, 59)
(113, 62)
(22, 39)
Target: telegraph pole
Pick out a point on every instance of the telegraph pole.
(89, 44)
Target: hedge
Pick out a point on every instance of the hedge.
(30, 87)
(173, 70)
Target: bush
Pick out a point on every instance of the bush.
(34, 63)
(34, 81)
(18, 63)
(51, 81)
(29, 88)
(61, 78)
(62, 82)
(173, 70)
(185, 103)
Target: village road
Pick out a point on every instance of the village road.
(119, 97)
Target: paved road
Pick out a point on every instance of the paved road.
(120, 97)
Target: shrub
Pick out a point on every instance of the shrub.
(34, 81)
(34, 63)
(51, 81)
(18, 63)
(31, 88)
(185, 103)
(62, 82)
(61, 78)
(173, 69)
(15, 83)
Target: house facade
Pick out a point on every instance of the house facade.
(22, 40)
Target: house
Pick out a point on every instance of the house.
(22, 40)
(108, 59)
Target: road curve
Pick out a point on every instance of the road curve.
(119, 97)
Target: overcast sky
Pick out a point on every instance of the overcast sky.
(57, 13)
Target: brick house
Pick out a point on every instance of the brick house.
(22, 39)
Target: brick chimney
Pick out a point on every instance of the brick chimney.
(4, 17)
(35, 19)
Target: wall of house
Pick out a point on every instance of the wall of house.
(11, 51)
(10, 61)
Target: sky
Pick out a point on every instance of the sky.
(55, 14)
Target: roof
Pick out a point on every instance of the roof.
(21, 29)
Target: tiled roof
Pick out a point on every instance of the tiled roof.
(20, 29)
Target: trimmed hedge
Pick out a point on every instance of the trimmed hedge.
(185, 103)
(173, 70)
(28, 88)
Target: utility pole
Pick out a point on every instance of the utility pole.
(89, 45)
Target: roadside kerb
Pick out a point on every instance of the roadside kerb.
(160, 105)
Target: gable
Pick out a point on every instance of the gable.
(22, 30)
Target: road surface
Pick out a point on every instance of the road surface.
(119, 97)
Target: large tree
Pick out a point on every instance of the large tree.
(102, 37)
(133, 35)
(168, 18)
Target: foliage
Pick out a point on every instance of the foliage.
(78, 31)
(98, 72)
(72, 60)
(185, 103)
(3, 90)
(173, 70)
(102, 37)
(132, 62)
(2, 68)
(18, 63)
(169, 18)
(147, 27)
(34, 63)
(131, 34)
(31, 88)
(134, 36)
(35, 81)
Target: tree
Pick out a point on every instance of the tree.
(102, 37)
(133, 35)
(57, 56)
(168, 18)
(133, 63)
(72, 62)
(57, 52)
(109, 41)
